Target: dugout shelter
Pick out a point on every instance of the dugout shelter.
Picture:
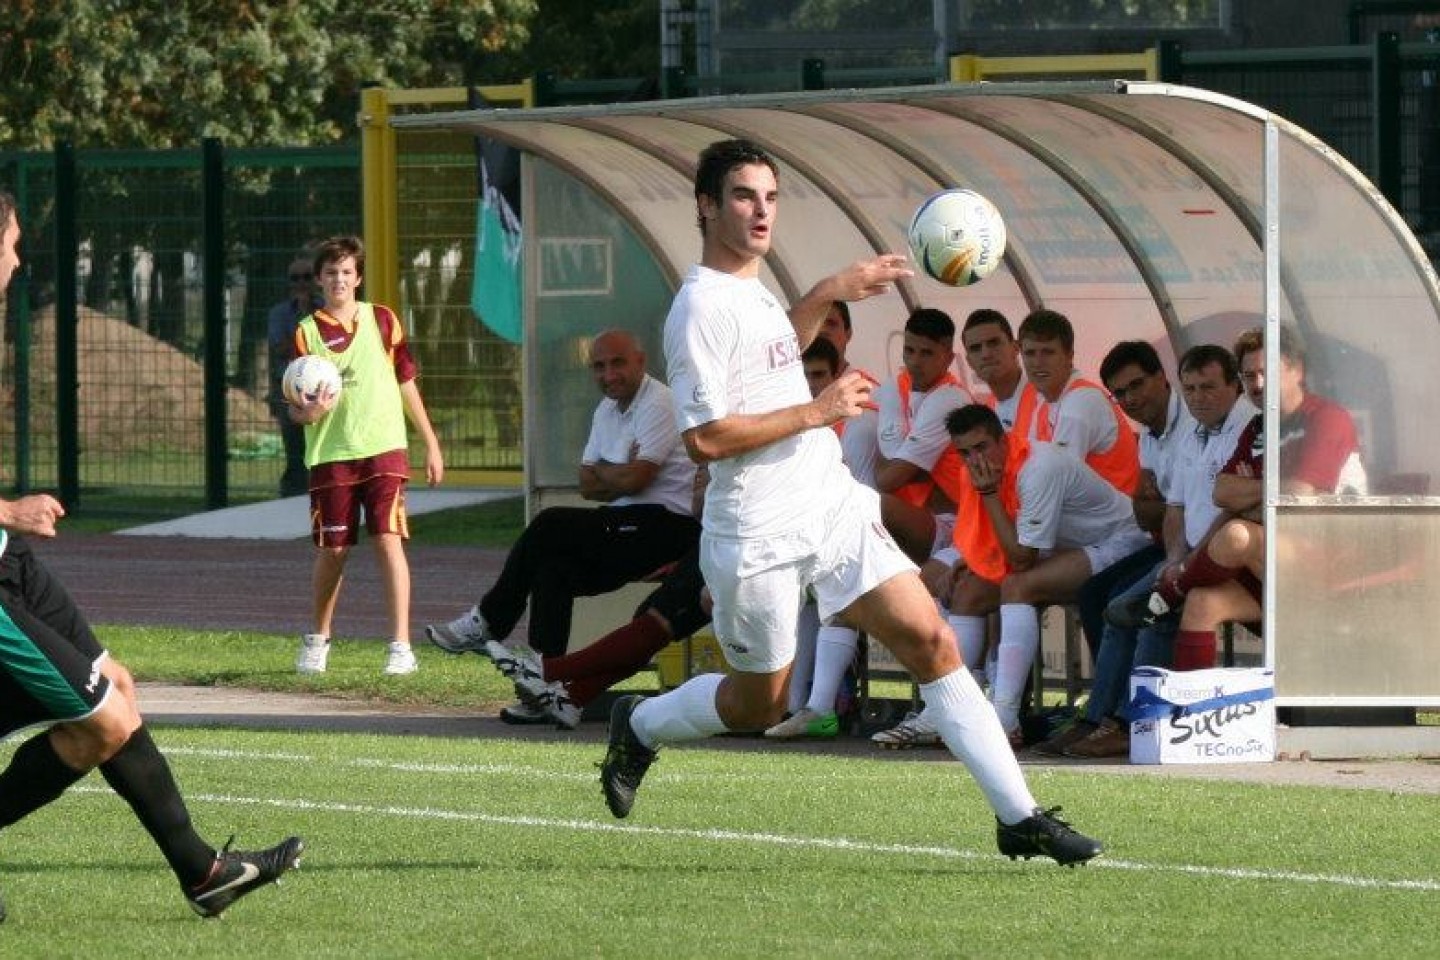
(1139, 209)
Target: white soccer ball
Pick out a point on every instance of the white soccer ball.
(306, 378)
(957, 237)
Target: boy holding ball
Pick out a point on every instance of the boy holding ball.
(356, 448)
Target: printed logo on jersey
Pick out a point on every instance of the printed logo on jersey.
(781, 353)
(701, 394)
(891, 432)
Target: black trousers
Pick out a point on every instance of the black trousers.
(569, 552)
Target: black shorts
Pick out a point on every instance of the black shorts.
(49, 658)
(677, 598)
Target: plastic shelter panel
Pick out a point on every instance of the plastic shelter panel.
(587, 271)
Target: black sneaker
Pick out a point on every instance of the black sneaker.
(626, 760)
(1138, 611)
(236, 873)
(1042, 834)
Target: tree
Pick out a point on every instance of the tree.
(157, 73)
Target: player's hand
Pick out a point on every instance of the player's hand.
(845, 397)
(983, 475)
(34, 514)
(313, 409)
(867, 278)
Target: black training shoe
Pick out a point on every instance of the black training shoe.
(626, 760)
(1042, 834)
(236, 873)
(1138, 611)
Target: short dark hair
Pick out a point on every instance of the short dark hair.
(1045, 324)
(978, 318)
(336, 249)
(822, 349)
(962, 420)
(7, 208)
(1199, 357)
(932, 324)
(1127, 352)
(716, 162)
(844, 309)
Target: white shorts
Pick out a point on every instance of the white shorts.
(849, 554)
(1119, 546)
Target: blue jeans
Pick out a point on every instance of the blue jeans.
(1122, 649)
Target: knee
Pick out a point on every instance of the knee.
(1232, 543)
(87, 743)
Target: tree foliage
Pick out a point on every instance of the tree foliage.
(162, 73)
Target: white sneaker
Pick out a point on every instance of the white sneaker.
(468, 633)
(553, 698)
(517, 661)
(399, 659)
(914, 731)
(314, 652)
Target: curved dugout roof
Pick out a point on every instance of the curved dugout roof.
(1140, 210)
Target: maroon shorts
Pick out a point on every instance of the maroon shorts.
(335, 510)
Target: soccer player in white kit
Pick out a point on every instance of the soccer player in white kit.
(782, 513)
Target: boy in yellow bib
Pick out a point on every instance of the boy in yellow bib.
(356, 448)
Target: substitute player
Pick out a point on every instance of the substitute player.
(783, 514)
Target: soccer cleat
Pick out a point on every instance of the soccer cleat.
(1055, 746)
(1043, 834)
(914, 731)
(625, 761)
(314, 652)
(523, 714)
(1138, 611)
(399, 659)
(553, 699)
(467, 633)
(236, 873)
(1110, 739)
(516, 662)
(805, 723)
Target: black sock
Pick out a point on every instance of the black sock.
(140, 774)
(36, 776)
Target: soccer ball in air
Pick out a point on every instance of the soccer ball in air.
(957, 237)
(306, 378)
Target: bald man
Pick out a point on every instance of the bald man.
(635, 467)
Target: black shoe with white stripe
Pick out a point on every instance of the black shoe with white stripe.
(236, 873)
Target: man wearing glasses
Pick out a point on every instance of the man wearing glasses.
(280, 334)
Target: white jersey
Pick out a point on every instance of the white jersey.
(860, 446)
(913, 428)
(1009, 408)
(730, 349)
(1082, 421)
(1198, 462)
(644, 430)
(1064, 503)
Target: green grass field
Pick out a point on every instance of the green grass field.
(426, 847)
(422, 847)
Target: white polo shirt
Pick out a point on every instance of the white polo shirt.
(646, 430)
(917, 435)
(1198, 462)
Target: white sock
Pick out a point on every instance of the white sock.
(969, 728)
(834, 652)
(807, 625)
(1019, 640)
(685, 713)
(970, 636)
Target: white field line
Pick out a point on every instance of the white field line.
(843, 844)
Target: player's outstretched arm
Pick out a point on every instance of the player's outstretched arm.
(740, 433)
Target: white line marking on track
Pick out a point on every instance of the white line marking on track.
(816, 843)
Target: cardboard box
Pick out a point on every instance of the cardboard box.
(1202, 716)
(705, 657)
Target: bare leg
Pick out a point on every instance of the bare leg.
(326, 578)
(395, 580)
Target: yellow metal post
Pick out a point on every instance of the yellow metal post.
(380, 202)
